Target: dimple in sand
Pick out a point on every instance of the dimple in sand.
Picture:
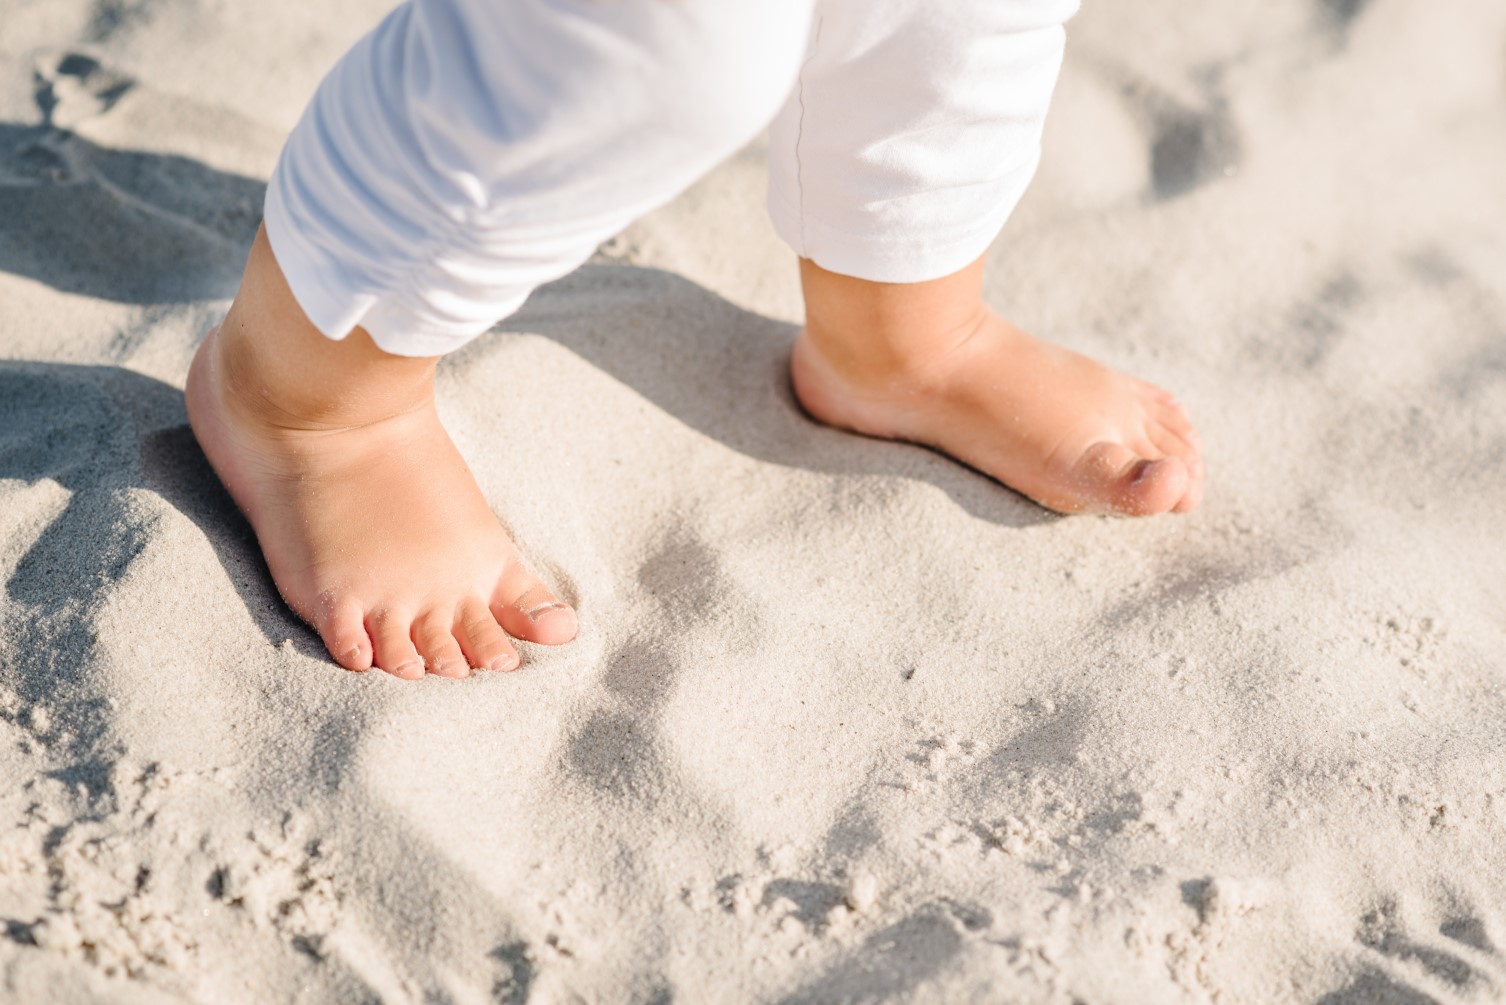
(467, 151)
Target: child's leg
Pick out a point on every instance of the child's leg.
(913, 132)
(465, 152)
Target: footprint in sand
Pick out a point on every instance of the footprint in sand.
(1425, 957)
(74, 86)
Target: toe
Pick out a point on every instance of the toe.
(394, 645)
(433, 633)
(483, 641)
(1170, 444)
(344, 635)
(529, 610)
(1114, 477)
(1158, 394)
(1191, 497)
(1174, 418)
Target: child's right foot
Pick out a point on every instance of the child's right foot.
(372, 525)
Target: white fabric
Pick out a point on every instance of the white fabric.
(913, 131)
(467, 151)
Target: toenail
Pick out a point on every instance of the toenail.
(543, 609)
(502, 664)
(412, 668)
(353, 655)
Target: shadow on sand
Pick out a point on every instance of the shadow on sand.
(113, 439)
(724, 371)
(145, 228)
(121, 225)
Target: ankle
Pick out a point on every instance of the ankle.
(270, 365)
(308, 391)
(885, 334)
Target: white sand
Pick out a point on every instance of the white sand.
(846, 721)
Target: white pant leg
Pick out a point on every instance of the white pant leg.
(912, 132)
(467, 151)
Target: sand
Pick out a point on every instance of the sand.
(846, 722)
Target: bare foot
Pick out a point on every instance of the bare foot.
(372, 525)
(931, 364)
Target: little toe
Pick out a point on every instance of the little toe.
(344, 634)
(395, 652)
(1158, 394)
(1122, 481)
(483, 641)
(529, 610)
(434, 635)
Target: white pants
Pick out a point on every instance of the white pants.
(468, 151)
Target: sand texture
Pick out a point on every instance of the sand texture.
(846, 722)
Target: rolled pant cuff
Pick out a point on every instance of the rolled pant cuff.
(326, 298)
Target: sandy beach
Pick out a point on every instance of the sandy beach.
(846, 721)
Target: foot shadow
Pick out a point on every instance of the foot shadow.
(121, 225)
(114, 440)
(724, 371)
(146, 228)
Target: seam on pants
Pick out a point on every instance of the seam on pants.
(800, 135)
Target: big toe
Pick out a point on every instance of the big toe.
(1113, 477)
(529, 610)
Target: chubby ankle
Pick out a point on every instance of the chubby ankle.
(324, 394)
(270, 364)
(877, 335)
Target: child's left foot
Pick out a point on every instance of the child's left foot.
(929, 363)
